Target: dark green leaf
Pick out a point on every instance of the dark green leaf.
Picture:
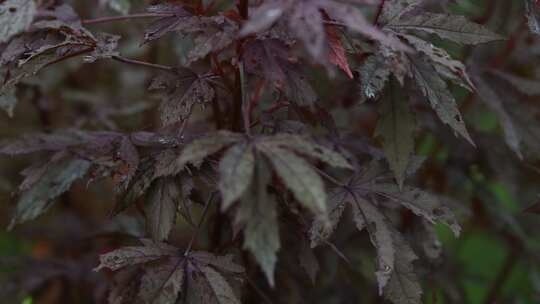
(396, 127)
(15, 17)
(308, 147)
(257, 213)
(236, 172)
(128, 256)
(440, 98)
(533, 15)
(163, 201)
(373, 76)
(452, 27)
(220, 287)
(380, 233)
(421, 203)
(322, 229)
(55, 181)
(403, 287)
(394, 9)
(196, 151)
(162, 283)
(298, 176)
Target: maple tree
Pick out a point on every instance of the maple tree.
(251, 141)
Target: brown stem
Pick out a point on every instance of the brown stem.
(143, 63)
(243, 7)
(71, 55)
(379, 12)
(123, 18)
(246, 104)
(237, 103)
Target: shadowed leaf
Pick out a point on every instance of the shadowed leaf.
(15, 17)
(236, 171)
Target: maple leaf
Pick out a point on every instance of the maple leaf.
(337, 54)
(269, 59)
(236, 171)
(182, 90)
(174, 274)
(532, 11)
(373, 75)
(360, 192)
(141, 181)
(440, 98)
(48, 41)
(15, 17)
(106, 45)
(163, 201)
(321, 230)
(440, 58)
(396, 126)
(403, 286)
(300, 178)
(57, 179)
(199, 149)
(401, 17)
(175, 18)
(129, 154)
(452, 27)
(394, 9)
(113, 154)
(279, 149)
(305, 21)
(210, 34)
(257, 214)
(245, 176)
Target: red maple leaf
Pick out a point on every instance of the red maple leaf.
(336, 54)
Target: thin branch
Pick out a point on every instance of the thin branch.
(123, 18)
(335, 23)
(70, 55)
(246, 111)
(337, 251)
(330, 178)
(199, 224)
(143, 63)
(379, 12)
